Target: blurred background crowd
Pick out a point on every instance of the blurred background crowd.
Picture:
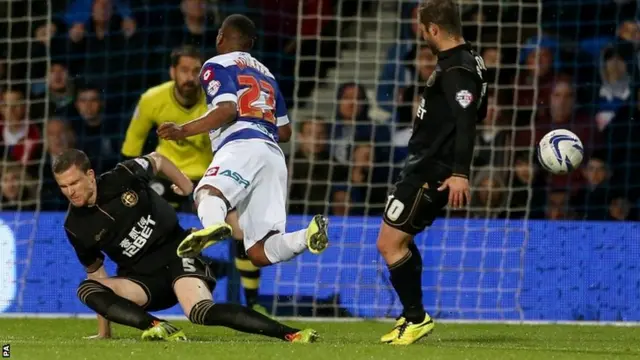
(72, 72)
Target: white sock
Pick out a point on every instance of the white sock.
(283, 247)
(212, 211)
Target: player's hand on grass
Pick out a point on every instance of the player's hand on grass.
(171, 131)
(459, 193)
(98, 337)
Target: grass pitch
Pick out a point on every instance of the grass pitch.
(49, 339)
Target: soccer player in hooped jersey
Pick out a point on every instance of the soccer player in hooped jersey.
(248, 171)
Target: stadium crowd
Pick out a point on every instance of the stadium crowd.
(580, 74)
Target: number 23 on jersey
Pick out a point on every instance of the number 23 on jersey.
(258, 92)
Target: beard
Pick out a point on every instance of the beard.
(431, 44)
(188, 90)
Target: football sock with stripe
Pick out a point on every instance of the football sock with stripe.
(112, 307)
(406, 278)
(239, 318)
(249, 274)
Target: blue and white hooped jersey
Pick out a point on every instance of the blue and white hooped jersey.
(240, 78)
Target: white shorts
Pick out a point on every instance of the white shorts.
(252, 176)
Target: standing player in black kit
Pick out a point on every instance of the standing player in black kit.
(439, 161)
(120, 215)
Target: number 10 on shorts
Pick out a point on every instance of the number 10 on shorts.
(395, 208)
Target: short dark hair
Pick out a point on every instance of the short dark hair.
(20, 89)
(244, 27)
(443, 13)
(312, 120)
(84, 87)
(184, 51)
(69, 158)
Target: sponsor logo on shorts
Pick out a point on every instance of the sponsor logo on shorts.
(237, 177)
(215, 171)
(212, 171)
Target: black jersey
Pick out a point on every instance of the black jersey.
(444, 128)
(129, 223)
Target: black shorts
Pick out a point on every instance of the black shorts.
(163, 187)
(159, 286)
(414, 205)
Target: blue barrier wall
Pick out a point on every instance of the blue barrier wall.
(474, 269)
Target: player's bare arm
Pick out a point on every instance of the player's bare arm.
(97, 272)
(223, 114)
(284, 133)
(182, 185)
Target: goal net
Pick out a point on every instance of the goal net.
(24, 60)
(361, 69)
(352, 72)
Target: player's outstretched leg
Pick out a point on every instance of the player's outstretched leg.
(277, 247)
(212, 211)
(195, 298)
(243, 319)
(405, 266)
(104, 301)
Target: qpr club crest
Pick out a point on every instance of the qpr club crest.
(129, 198)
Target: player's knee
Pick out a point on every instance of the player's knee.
(89, 288)
(200, 312)
(383, 245)
(207, 191)
(391, 240)
(257, 255)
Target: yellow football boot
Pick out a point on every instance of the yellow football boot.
(164, 331)
(305, 336)
(199, 240)
(408, 333)
(317, 237)
(394, 332)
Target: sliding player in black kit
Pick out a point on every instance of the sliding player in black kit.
(120, 215)
(439, 161)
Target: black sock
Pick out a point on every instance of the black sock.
(239, 318)
(406, 278)
(249, 275)
(112, 307)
